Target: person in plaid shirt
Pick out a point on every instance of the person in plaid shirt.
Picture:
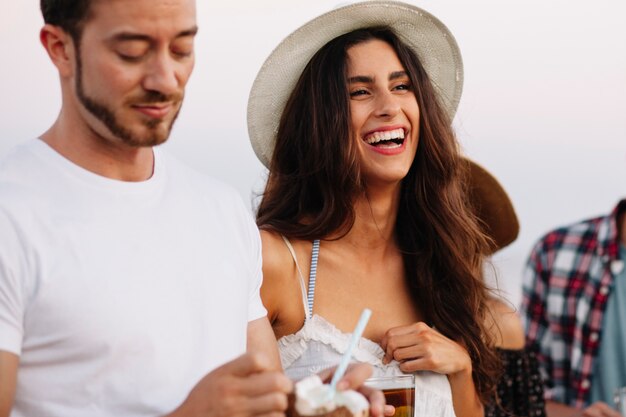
(574, 298)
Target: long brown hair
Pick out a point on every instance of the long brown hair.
(315, 177)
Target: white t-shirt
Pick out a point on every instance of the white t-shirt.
(120, 296)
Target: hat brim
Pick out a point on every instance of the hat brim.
(492, 206)
(430, 39)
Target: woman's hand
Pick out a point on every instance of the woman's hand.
(354, 378)
(418, 347)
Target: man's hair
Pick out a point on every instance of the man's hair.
(315, 177)
(70, 15)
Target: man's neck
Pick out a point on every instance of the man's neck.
(116, 162)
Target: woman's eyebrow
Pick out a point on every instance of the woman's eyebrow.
(367, 79)
(360, 79)
(397, 74)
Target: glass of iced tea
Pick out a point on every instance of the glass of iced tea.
(399, 391)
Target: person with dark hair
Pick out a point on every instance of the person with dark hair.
(574, 293)
(519, 391)
(129, 283)
(352, 115)
(69, 15)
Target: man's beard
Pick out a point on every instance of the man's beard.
(105, 115)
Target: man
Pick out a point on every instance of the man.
(126, 279)
(574, 306)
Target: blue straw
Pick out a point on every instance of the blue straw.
(345, 359)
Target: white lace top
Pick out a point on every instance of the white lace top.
(319, 345)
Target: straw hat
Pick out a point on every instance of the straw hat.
(492, 206)
(438, 53)
(422, 32)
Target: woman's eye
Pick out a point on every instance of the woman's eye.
(402, 87)
(356, 93)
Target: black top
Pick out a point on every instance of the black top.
(520, 389)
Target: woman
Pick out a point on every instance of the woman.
(366, 194)
(519, 391)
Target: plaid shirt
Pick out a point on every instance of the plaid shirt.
(567, 282)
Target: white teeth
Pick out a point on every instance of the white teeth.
(385, 135)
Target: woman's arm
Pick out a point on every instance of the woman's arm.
(505, 325)
(281, 292)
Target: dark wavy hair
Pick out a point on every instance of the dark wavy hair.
(70, 15)
(315, 177)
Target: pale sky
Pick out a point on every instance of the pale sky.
(542, 109)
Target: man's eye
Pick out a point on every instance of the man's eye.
(183, 48)
(182, 53)
(129, 58)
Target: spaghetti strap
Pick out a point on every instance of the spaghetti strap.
(313, 274)
(305, 302)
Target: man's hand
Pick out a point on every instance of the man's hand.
(600, 409)
(246, 386)
(597, 409)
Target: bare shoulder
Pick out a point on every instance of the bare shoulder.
(505, 325)
(281, 291)
(276, 256)
(278, 264)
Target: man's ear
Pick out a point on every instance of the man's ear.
(60, 48)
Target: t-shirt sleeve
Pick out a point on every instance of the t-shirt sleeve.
(256, 309)
(252, 247)
(12, 287)
(249, 239)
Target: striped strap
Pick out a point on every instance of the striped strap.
(312, 274)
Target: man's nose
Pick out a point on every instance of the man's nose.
(163, 75)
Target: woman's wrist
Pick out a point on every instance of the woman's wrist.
(462, 375)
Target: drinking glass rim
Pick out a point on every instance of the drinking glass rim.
(388, 377)
(402, 381)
